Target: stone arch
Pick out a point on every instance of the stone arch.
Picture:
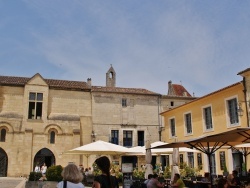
(7, 125)
(46, 156)
(54, 127)
(3, 163)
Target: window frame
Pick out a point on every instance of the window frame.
(232, 111)
(114, 137)
(141, 134)
(124, 102)
(171, 127)
(188, 123)
(3, 134)
(35, 105)
(127, 141)
(205, 118)
(52, 138)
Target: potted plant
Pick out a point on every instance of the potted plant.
(225, 171)
(244, 169)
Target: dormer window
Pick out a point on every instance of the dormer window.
(35, 105)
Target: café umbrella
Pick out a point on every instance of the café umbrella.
(209, 144)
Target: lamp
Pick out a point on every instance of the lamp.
(93, 134)
(239, 109)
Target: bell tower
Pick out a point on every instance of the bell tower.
(110, 77)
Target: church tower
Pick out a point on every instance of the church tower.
(110, 77)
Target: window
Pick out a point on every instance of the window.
(124, 102)
(199, 160)
(188, 123)
(172, 127)
(181, 161)
(208, 118)
(52, 137)
(222, 160)
(115, 137)
(190, 159)
(35, 105)
(232, 111)
(172, 103)
(132, 102)
(140, 138)
(167, 161)
(127, 138)
(3, 135)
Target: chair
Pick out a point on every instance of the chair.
(193, 178)
(199, 178)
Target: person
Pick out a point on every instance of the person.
(90, 170)
(147, 180)
(222, 183)
(80, 167)
(105, 180)
(233, 179)
(37, 168)
(206, 178)
(71, 176)
(86, 172)
(177, 182)
(44, 169)
(154, 183)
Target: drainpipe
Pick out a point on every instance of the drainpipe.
(245, 99)
(159, 119)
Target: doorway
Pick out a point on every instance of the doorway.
(44, 156)
(3, 163)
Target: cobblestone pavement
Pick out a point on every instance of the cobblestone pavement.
(9, 182)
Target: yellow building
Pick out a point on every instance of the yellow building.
(216, 112)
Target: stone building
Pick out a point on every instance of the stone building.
(41, 118)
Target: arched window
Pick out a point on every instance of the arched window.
(52, 137)
(3, 135)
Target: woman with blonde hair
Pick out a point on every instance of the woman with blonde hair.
(72, 177)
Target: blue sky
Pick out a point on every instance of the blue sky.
(199, 44)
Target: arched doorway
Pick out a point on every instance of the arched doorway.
(3, 163)
(44, 156)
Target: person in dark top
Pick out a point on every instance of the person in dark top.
(105, 180)
(235, 181)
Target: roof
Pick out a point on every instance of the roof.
(76, 85)
(122, 90)
(57, 84)
(179, 90)
(237, 83)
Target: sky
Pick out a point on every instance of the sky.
(201, 44)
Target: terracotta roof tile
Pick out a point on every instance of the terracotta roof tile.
(58, 84)
(123, 90)
(179, 90)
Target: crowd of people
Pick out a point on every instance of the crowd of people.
(73, 177)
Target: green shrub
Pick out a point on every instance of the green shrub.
(35, 176)
(53, 173)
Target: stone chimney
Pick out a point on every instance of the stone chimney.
(89, 81)
(170, 89)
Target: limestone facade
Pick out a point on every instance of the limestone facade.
(41, 118)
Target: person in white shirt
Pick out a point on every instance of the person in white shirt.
(44, 169)
(37, 168)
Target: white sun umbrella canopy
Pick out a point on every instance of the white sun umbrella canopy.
(98, 148)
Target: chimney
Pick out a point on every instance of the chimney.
(170, 88)
(89, 81)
